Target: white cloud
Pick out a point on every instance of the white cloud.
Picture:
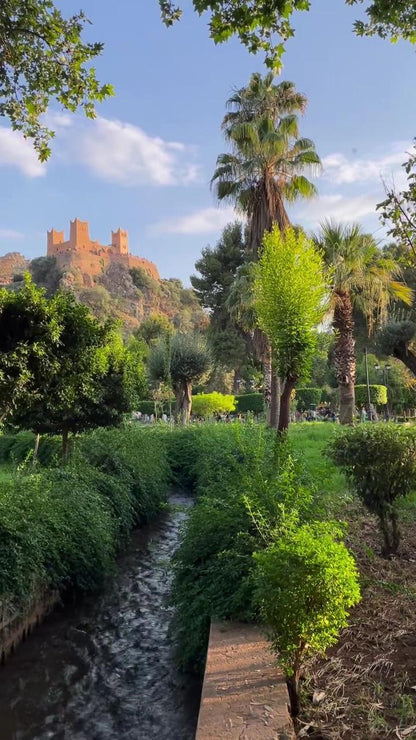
(10, 234)
(205, 221)
(16, 151)
(343, 170)
(338, 207)
(125, 154)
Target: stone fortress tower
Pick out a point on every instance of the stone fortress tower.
(91, 257)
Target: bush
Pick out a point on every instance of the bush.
(378, 395)
(61, 527)
(305, 583)
(380, 463)
(308, 397)
(253, 402)
(247, 488)
(19, 447)
(208, 404)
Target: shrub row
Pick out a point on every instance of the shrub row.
(251, 493)
(61, 527)
(17, 448)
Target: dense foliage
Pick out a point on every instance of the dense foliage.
(209, 404)
(43, 57)
(249, 491)
(307, 398)
(181, 360)
(61, 527)
(253, 402)
(380, 463)
(256, 23)
(378, 395)
(290, 299)
(305, 583)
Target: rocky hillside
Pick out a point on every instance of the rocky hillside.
(130, 295)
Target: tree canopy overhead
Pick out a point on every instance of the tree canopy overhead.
(258, 22)
(43, 57)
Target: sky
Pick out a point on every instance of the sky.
(146, 161)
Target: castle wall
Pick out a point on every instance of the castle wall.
(89, 256)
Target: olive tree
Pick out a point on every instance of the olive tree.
(183, 360)
(290, 299)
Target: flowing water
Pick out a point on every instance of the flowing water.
(103, 669)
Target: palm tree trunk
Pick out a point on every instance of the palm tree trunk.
(344, 356)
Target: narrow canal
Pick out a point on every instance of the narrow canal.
(103, 669)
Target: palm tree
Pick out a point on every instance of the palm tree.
(359, 276)
(265, 168)
(262, 97)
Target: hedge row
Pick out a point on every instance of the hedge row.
(246, 483)
(16, 448)
(61, 527)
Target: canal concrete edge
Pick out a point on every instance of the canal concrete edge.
(244, 694)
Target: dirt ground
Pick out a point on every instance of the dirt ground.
(366, 687)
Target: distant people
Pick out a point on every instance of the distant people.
(363, 415)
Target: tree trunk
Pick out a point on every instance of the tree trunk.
(35, 451)
(284, 416)
(267, 369)
(275, 399)
(292, 683)
(344, 356)
(65, 445)
(184, 402)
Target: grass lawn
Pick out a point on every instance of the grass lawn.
(368, 679)
(6, 473)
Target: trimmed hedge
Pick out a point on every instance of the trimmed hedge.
(378, 395)
(307, 397)
(61, 527)
(253, 402)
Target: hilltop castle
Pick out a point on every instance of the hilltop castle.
(91, 257)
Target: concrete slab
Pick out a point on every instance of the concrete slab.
(244, 695)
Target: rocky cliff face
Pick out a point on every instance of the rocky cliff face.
(12, 265)
(130, 295)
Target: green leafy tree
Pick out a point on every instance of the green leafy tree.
(398, 210)
(360, 276)
(380, 463)
(134, 371)
(155, 326)
(290, 292)
(85, 388)
(182, 360)
(264, 170)
(256, 23)
(217, 269)
(306, 583)
(397, 338)
(43, 57)
(29, 335)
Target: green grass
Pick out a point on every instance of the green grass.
(309, 440)
(6, 473)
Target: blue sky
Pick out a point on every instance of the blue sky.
(145, 163)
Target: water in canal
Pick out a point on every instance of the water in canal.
(103, 669)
